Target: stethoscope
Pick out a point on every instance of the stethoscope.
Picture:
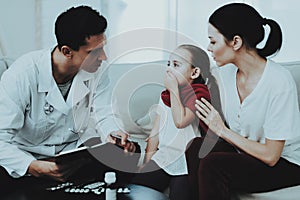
(48, 108)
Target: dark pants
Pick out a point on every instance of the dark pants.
(156, 178)
(111, 158)
(223, 171)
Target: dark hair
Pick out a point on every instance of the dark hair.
(199, 58)
(73, 26)
(243, 20)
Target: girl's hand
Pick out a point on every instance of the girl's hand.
(140, 168)
(210, 116)
(170, 81)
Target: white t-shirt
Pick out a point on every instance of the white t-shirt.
(271, 110)
(172, 143)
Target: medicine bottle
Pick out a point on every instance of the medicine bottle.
(111, 189)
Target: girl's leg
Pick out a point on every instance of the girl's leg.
(179, 189)
(152, 176)
(220, 173)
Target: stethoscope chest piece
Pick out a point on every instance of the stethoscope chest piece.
(48, 108)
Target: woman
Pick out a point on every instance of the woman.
(260, 147)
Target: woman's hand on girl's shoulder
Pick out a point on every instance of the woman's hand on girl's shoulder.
(210, 116)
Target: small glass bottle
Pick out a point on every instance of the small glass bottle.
(111, 189)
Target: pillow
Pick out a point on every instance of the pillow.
(146, 122)
(136, 89)
(2, 67)
(4, 64)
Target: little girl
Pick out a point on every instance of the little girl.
(175, 123)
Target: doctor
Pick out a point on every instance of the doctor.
(53, 100)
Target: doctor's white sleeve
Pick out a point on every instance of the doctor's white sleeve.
(106, 120)
(14, 160)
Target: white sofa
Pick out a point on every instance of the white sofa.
(137, 87)
(4, 64)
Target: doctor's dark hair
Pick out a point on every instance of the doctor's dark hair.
(243, 20)
(199, 58)
(73, 26)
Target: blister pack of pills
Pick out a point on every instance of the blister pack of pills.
(97, 187)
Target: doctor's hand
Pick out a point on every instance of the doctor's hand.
(48, 169)
(121, 139)
(210, 116)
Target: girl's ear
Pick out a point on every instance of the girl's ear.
(195, 73)
(67, 51)
(237, 42)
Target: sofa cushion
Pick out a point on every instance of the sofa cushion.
(294, 68)
(290, 193)
(4, 64)
(136, 88)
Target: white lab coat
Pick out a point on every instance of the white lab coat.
(28, 131)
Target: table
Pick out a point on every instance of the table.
(137, 192)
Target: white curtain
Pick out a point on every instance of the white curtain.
(186, 21)
(29, 24)
(138, 30)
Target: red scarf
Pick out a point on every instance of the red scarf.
(188, 95)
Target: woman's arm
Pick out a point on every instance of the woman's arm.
(269, 152)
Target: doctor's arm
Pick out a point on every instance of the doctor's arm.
(13, 159)
(43, 168)
(16, 161)
(107, 122)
